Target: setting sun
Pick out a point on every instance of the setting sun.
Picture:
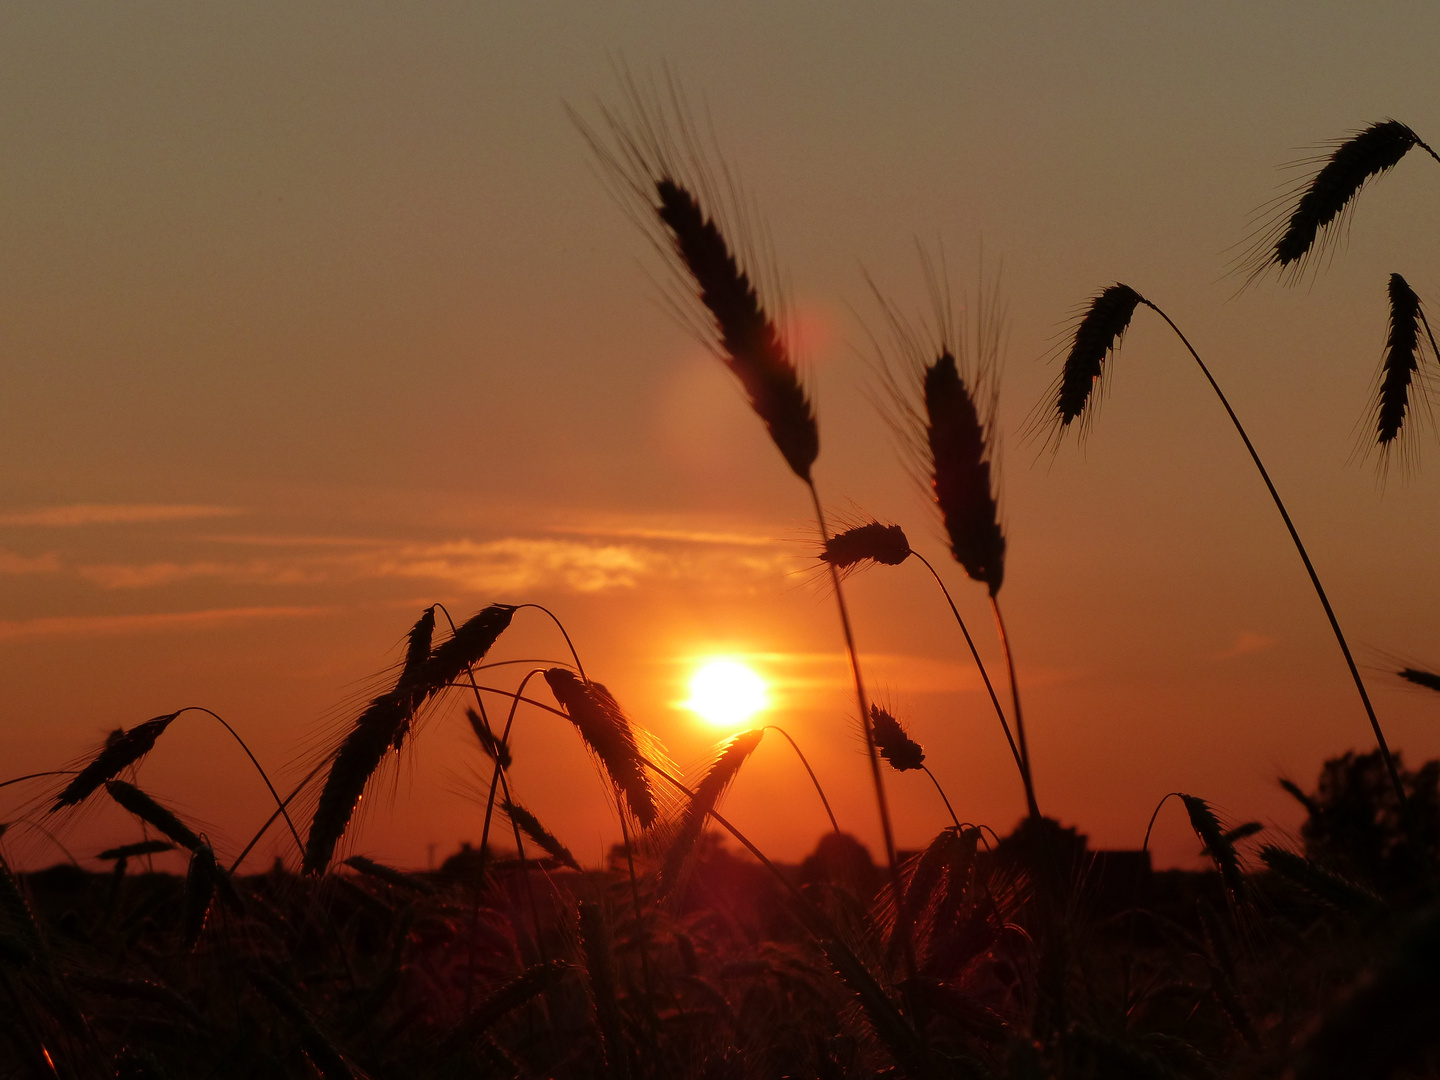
(726, 693)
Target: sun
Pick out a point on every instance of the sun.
(726, 693)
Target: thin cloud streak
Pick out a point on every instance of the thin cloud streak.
(511, 565)
(680, 536)
(114, 625)
(1246, 642)
(112, 514)
(12, 562)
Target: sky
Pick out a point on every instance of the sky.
(311, 316)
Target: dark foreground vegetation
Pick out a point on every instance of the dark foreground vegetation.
(1323, 961)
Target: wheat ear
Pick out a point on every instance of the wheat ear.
(707, 795)
(1322, 202)
(1401, 372)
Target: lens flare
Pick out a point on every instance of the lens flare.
(726, 693)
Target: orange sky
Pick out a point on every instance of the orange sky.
(309, 318)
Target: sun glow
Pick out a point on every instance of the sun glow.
(726, 693)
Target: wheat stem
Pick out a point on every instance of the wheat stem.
(989, 687)
(1015, 699)
(859, 690)
(943, 797)
(813, 778)
(1319, 591)
(280, 806)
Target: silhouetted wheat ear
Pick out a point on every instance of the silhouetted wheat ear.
(895, 746)
(119, 753)
(526, 986)
(1401, 366)
(606, 731)
(960, 474)
(153, 814)
(496, 750)
(1207, 828)
(129, 851)
(530, 825)
(328, 1061)
(707, 796)
(384, 719)
(1428, 679)
(884, 544)
(389, 875)
(417, 654)
(1357, 160)
(1320, 882)
(1096, 336)
(199, 893)
(750, 344)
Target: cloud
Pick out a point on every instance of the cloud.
(1246, 642)
(510, 565)
(113, 514)
(679, 536)
(14, 563)
(111, 625)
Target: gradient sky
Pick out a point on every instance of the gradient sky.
(311, 315)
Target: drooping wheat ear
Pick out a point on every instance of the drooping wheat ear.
(1323, 884)
(153, 814)
(750, 344)
(530, 825)
(606, 730)
(199, 893)
(389, 875)
(706, 798)
(525, 987)
(1428, 679)
(1325, 198)
(1097, 335)
(1221, 851)
(960, 454)
(119, 753)
(895, 746)
(377, 728)
(130, 851)
(495, 748)
(417, 654)
(870, 542)
(1400, 370)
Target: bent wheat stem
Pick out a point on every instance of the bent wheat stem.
(813, 778)
(989, 688)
